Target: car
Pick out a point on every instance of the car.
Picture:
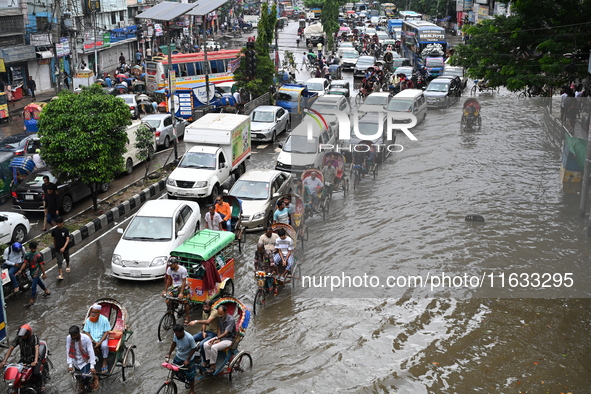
(370, 31)
(331, 103)
(340, 87)
(363, 63)
(28, 195)
(318, 85)
(375, 102)
(406, 70)
(368, 125)
(14, 227)
(14, 142)
(349, 59)
(132, 104)
(159, 227)
(267, 122)
(225, 88)
(259, 191)
(442, 92)
(25, 147)
(383, 36)
(162, 123)
(459, 72)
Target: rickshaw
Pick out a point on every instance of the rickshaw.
(139, 87)
(238, 228)
(336, 72)
(120, 354)
(323, 195)
(299, 220)
(471, 114)
(230, 362)
(206, 250)
(31, 115)
(260, 298)
(144, 104)
(4, 114)
(341, 182)
(371, 164)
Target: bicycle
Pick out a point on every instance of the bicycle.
(175, 372)
(84, 382)
(356, 170)
(360, 97)
(324, 202)
(168, 321)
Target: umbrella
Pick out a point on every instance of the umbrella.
(344, 28)
(350, 12)
(120, 76)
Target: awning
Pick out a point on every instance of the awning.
(166, 11)
(45, 54)
(206, 6)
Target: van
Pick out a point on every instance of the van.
(130, 156)
(409, 100)
(299, 153)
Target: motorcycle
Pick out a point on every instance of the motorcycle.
(18, 377)
(24, 282)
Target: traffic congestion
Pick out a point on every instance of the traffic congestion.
(375, 158)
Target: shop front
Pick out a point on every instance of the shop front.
(14, 69)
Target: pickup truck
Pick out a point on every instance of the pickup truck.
(217, 148)
(295, 98)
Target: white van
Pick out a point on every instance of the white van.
(130, 156)
(300, 153)
(409, 100)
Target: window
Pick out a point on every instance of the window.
(179, 222)
(343, 106)
(186, 212)
(122, 15)
(190, 69)
(168, 121)
(42, 24)
(222, 159)
(113, 18)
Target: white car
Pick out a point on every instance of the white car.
(318, 85)
(349, 59)
(225, 88)
(162, 123)
(268, 121)
(375, 102)
(132, 104)
(159, 227)
(14, 227)
(259, 191)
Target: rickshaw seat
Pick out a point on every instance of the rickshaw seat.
(114, 340)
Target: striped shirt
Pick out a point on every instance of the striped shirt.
(284, 245)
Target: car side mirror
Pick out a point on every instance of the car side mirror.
(180, 233)
(120, 230)
(225, 192)
(276, 195)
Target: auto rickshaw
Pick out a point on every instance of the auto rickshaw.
(4, 107)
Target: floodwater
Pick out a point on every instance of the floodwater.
(409, 221)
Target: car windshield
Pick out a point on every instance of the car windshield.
(250, 190)
(288, 96)
(339, 84)
(198, 160)
(315, 86)
(437, 87)
(10, 144)
(365, 128)
(226, 89)
(383, 35)
(453, 73)
(365, 62)
(320, 106)
(346, 44)
(153, 122)
(376, 100)
(399, 106)
(37, 180)
(263, 116)
(147, 228)
(350, 55)
(128, 100)
(301, 144)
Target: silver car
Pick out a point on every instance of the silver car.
(132, 104)
(259, 191)
(268, 121)
(162, 123)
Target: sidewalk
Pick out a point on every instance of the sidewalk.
(16, 107)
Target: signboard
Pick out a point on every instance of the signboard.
(90, 6)
(40, 39)
(201, 93)
(185, 104)
(9, 4)
(172, 76)
(2, 66)
(63, 48)
(19, 54)
(158, 29)
(431, 36)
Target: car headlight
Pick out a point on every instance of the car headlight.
(440, 98)
(258, 215)
(160, 260)
(116, 260)
(170, 181)
(200, 184)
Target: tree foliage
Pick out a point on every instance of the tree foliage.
(544, 42)
(144, 143)
(330, 20)
(83, 136)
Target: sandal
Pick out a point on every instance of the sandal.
(210, 371)
(45, 295)
(29, 304)
(186, 323)
(67, 269)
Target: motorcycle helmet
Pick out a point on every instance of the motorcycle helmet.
(25, 331)
(17, 247)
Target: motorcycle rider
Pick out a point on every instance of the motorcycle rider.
(13, 260)
(28, 344)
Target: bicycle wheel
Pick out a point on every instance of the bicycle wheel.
(128, 364)
(521, 95)
(358, 98)
(240, 364)
(345, 183)
(356, 180)
(375, 171)
(259, 300)
(296, 275)
(473, 90)
(325, 208)
(313, 74)
(166, 324)
(167, 388)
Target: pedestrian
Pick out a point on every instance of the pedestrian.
(34, 262)
(61, 241)
(50, 202)
(108, 81)
(138, 57)
(32, 87)
(563, 100)
(148, 53)
(37, 159)
(319, 47)
(67, 80)
(122, 59)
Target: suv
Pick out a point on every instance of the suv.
(443, 92)
(332, 103)
(459, 72)
(363, 63)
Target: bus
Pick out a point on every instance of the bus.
(416, 35)
(395, 28)
(190, 68)
(410, 16)
(389, 10)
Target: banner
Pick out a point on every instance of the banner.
(233, 65)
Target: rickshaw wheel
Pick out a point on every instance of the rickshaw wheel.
(228, 290)
(128, 363)
(259, 300)
(166, 324)
(240, 364)
(375, 172)
(167, 388)
(296, 275)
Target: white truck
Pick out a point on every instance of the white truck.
(217, 146)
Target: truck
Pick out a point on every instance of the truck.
(295, 98)
(314, 34)
(217, 146)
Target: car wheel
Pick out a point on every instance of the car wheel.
(447, 102)
(129, 166)
(166, 142)
(273, 137)
(19, 233)
(103, 187)
(215, 192)
(67, 204)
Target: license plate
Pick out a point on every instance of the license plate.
(29, 197)
(135, 274)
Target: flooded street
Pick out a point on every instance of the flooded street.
(409, 221)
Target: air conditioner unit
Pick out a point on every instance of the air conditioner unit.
(121, 23)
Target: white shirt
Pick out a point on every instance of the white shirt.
(177, 276)
(37, 160)
(313, 184)
(217, 219)
(78, 361)
(237, 97)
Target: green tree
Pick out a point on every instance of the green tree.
(144, 143)
(83, 136)
(330, 20)
(543, 42)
